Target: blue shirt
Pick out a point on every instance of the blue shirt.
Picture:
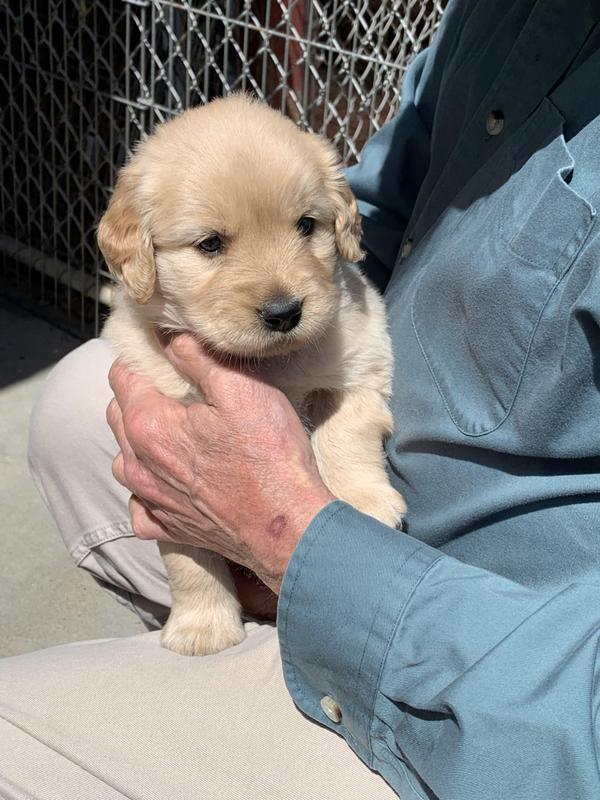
(463, 654)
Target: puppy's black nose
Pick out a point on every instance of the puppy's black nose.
(281, 314)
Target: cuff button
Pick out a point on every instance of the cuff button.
(494, 123)
(331, 709)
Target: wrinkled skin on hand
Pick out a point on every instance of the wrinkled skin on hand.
(235, 474)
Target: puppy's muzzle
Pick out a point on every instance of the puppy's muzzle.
(281, 314)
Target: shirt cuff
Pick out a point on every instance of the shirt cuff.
(342, 598)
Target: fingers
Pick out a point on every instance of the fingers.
(114, 417)
(149, 488)
(126, 456)
(144, 524)
(145, 423)
(134, 475)
(126, 468)
(130, 388)
(195, 363)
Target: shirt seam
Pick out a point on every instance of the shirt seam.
(392, 635)
(452, 411)
(99, 536)
(330, 516)
(291, 593)
(386, 648)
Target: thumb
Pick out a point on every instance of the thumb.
(130, 388)
(197, 364)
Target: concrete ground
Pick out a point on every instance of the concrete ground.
(44, 598)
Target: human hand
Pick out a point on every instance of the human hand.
(235, 474)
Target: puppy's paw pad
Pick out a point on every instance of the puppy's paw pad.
(201, 639)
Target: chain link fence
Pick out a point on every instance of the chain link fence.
(82, 80)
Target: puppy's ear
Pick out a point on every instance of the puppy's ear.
(348, 227)
(125, 242)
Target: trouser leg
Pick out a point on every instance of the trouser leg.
(71, 449)
(125, 718)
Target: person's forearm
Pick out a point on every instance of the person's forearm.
(444, 675)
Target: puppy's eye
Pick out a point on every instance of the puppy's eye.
(305, 225)
(212, 244)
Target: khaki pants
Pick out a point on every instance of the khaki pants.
(124, 717)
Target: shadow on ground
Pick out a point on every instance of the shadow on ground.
(28, 345)
(44, 598)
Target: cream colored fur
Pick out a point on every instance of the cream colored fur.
(237, 169)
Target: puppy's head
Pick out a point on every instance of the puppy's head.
(232, 223)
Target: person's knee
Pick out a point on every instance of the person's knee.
(71, 449)
(68, 423)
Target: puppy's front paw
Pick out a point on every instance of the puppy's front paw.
(382, 502)
(185, 634)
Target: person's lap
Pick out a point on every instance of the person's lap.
(125, 717)
(128, 716)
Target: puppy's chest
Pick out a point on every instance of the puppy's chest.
(299, 375)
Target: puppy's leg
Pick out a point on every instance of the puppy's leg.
(349, 429)
(206, 615)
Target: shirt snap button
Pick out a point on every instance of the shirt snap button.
(494, 123)
(406, 248)
(331, 709)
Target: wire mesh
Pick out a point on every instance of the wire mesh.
(80, 82)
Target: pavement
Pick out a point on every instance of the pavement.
(44, 599)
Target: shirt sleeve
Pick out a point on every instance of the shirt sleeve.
(450, 681)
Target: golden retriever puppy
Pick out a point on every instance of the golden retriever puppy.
(232, 223)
